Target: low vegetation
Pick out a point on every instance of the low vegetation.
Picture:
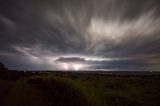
(50, 89)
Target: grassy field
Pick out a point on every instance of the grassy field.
(51, 89)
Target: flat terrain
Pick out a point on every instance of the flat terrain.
(79, 89)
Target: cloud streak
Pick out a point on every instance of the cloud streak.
(106, 33)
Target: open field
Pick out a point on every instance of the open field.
(79, 89)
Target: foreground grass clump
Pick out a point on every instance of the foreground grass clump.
(81, 90)
(56, 92)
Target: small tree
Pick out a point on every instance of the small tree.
(2, 67)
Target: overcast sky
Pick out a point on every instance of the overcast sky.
(98, 34)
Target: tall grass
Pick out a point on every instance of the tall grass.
(84, 90)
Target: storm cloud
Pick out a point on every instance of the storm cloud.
(106, 34)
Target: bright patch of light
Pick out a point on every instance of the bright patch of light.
(71, 66)
(77, 66)
(66, 66)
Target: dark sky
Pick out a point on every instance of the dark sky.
(96, 34)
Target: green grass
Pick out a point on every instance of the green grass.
(83, 90)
